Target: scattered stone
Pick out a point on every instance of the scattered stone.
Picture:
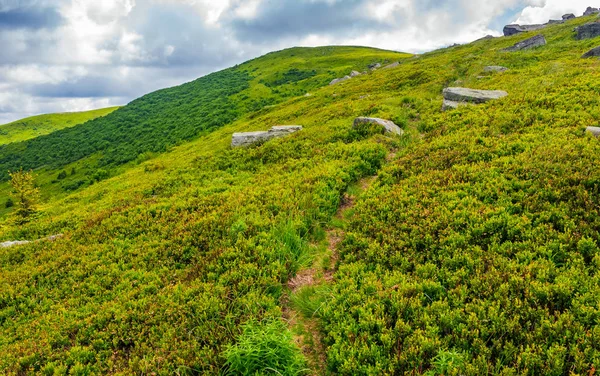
(389, 126)
(452, 105)
(461, 94)
(529, 43)
(338, 80)
(555, 22)
(393, 65)
(594, 52)
(587, 31)
(594, 130)
(495, 68)
(13, 243)
(589, 11)
(249, 138)
(354, 73)
(308, 95)
(516, 29)
(374, 66)
(568, 16)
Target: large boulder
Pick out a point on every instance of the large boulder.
(388, 125)
(589, 11)
(462, 94)
(354, 73)
(594, 131)
(594, 52)
(587, 31)
(495, 68)
(532, 42)
(249, 138)
(568, 16)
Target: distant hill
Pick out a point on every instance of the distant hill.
(35, 126)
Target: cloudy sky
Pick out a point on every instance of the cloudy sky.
(73, 55)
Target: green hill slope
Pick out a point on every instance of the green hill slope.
(474, 249)
(165, 118)
(36, 126)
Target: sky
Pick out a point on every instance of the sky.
(75, 55)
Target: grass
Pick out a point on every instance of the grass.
(475, 250)
(40, 125)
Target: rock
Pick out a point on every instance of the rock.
(13, 243)
(374, 66)
(249, 138)
(393, 65)
(487, 37)
(587, 31)
(594, 130)
(568, 16)
(516, 29)
(555, 22)
(354, 73)
(389, 126)
(589, 11)
(451, 105)
(338, 80)
(461, 94)
(532, 42)
(495, 68)
(594, 52)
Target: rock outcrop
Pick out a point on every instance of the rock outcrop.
(374, 66)
(354, 73)
(460, 96)
(594, 130)
(587, 31)
(594, 52)
(388, 125)
(249, 138)
(495, 68)
(536, 41)
(516, 29)
(568, 16)
(393, 65)
(589, 11)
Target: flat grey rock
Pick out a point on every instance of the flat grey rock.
(594, 52)
(338, 80)
(594, 130)
(393, 65)
(389, 126)
(587, 31)
(250, 138)
(589, 11)
(9, 244)
(495, 68)
(536, 41)
(354, 73)
(517, 29)
(461, 94)
(568, 16)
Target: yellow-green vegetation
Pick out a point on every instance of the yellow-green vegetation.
(474, 251)
(40, 125)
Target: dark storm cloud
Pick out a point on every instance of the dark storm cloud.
(299, 18)
(30, 18)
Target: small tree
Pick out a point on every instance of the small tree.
(25, 194)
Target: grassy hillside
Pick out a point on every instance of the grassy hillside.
(36, 126)
(160, 120)
(473, 250)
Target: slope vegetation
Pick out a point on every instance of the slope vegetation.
(36, 126)
(474, 250)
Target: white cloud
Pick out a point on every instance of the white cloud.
(543, 10)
